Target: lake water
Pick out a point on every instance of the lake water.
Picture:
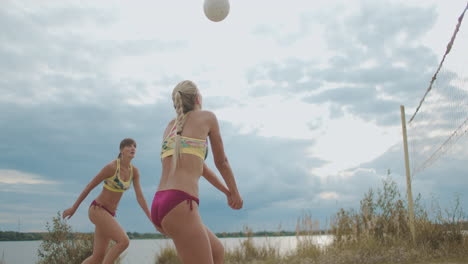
(144, 251)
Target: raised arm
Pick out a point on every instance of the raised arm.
(106, 172)
(139, 194)
(222, 163)
(211, 177)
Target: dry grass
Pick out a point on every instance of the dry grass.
(248, 252)
(377, 233)
(167, 255)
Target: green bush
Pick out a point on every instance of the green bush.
(60, 245)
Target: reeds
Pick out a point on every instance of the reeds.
(248, 252)
(167, 255)
(378, 232)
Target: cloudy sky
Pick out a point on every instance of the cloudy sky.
(308, 95)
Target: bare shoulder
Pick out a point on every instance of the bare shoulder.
(207, 114)
(111, 165)
(109, 169)
(170, 124)
(168, 127)
(211, 122)
(136, 172)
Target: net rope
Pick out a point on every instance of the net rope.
(440, 120)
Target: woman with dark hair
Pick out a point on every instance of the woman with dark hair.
(117, 176)
(184, 148)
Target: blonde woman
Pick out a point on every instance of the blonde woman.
(184, 148)
(117, 176)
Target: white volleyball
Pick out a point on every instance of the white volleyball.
(216, 10)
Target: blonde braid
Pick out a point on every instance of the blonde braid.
(183, 97)
(179, 126)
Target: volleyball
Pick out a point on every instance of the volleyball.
(216, 10)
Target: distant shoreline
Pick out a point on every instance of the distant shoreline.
(34, 236)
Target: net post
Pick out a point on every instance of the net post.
(408, 176)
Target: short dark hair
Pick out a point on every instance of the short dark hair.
(126, 142)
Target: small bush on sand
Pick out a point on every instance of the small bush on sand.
(60, 245)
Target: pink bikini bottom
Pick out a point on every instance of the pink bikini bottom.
(164, 201)
(94, 203)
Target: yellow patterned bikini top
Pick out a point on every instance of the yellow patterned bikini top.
(194, 146)
(115, 183)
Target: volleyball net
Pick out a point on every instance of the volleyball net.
(440, 122)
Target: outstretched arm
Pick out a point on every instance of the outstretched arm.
(211, 177)
(139, 194)
(222, 164)
(106, 172)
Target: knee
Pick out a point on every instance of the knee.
(218, 254)
(123, 243)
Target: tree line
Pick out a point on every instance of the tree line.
(20, 236)
(25, 236)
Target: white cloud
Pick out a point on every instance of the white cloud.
(18, 177)
(274, 116)
(349, 141)
(329, 195)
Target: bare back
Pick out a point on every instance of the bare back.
(190, 167)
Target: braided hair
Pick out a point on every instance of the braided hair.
(184, 97)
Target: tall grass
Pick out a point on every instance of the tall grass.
(382, 225)
(167, 255)
(306, 247)
(247, 251)
(375, 233)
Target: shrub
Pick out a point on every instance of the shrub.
(60, 245)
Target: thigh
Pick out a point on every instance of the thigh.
(101, 243)
(217, 247)
(189, 234)
(215, 243)
(106, 225)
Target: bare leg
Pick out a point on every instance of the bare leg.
(190, 237)
(101, 241)
(109, 229)
(217, 247)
